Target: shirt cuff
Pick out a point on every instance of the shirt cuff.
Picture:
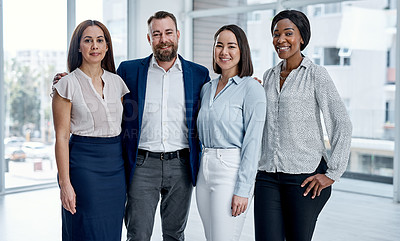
(243, 189)
(332, 175)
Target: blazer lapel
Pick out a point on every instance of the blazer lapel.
(142, 83)
(188, 85)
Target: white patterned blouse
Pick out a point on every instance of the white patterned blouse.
(293, 139)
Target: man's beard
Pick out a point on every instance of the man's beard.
(165, 55)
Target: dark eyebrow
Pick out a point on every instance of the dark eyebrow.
(158, 31)
(228, 43)
(100, 36)
(284, 29)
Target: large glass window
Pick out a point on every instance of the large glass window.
(34, 49)
(331, 56)
(115, 18)
(360, 69)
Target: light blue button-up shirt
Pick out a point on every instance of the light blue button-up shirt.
(234, 119)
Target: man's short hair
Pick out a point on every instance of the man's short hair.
(162, 15)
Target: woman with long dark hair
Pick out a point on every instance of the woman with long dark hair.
(87, 104)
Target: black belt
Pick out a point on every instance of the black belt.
(165, 155)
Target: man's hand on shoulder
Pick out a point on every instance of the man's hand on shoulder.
(58, 76)
(259, 81)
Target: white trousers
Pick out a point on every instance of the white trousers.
(214, 191)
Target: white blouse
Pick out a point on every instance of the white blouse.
(92, 115)
(293, 140)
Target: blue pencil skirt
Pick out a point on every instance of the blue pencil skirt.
(98, 178)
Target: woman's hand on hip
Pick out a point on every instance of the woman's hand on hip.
(68, 197)
(239, 205)
(316, 182)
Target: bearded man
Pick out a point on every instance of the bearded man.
(161, 148)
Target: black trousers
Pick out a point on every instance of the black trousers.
(281, 212)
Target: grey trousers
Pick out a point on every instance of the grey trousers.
(153, 178)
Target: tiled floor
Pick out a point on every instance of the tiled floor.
(357, 210)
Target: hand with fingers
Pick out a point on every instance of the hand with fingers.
(58, 76)
(316, 183)
(259, 81)
(68, 197)
(239, 205)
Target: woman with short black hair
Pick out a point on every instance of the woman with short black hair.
(295, 174)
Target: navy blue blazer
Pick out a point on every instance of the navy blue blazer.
(134, 73)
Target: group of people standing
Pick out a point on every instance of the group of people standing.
(158, 126)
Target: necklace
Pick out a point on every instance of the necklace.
(281, 77)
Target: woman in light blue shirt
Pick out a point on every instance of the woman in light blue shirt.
(230, 125)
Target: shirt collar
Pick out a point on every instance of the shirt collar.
(177, 64)
(81, 73)
(235, 79)
(306, 62)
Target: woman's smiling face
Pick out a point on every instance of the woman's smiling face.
(227, 52)
(93, 45)
(287, 39)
